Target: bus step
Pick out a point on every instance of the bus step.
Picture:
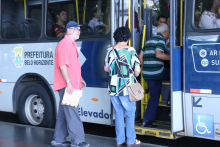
(163, 130)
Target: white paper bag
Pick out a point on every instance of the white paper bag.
(72, 100)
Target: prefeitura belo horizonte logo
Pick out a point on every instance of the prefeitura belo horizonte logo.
(18, 61)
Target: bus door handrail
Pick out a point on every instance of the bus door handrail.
(84, 13)
(25, 9)
(77, 11)
(181, 22)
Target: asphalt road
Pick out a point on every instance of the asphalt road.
(108, 131)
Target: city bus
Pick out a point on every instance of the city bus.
(27, 49)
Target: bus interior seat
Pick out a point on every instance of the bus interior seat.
(50, 23)
(86, 30)
(10, 31)
(31, 30)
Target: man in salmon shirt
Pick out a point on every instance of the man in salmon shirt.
(68, 75)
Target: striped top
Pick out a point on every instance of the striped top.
(153, 67)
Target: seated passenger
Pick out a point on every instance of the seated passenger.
(160, 19)
(58, 29)
(210, 17)
(152, 58)
(97, 14)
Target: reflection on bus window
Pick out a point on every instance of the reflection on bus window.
(206, 14)
(57, 20)
(14, 24)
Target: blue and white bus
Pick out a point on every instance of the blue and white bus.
(27, 63)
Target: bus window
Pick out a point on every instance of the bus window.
(59, 13)
(207, 14)
(18, 22)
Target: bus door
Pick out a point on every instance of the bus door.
(201, 70)
(123, 14)
(176, 66)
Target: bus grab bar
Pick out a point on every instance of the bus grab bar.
(77, 11)
(181, 22)
(84, 14)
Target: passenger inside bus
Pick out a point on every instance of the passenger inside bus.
(96, 24)
(160, 19)
(58, 29)
(136, 23)
(210, 18)
(152, 58)
(167, 49)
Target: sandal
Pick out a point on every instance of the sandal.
(137, 143)
(118, 145)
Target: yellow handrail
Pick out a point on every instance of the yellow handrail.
(129, 19)
(25, 11)
(145, 4)
(143, 106)
(181, 22)
(84, 14)
(77, 11)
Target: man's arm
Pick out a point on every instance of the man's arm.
(161, 55)
(141, 58)
(65, 74)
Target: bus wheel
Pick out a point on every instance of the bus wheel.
(35, 106)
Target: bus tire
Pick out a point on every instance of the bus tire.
(35, 106)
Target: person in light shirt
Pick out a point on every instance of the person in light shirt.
(210, 18)
(97, 14)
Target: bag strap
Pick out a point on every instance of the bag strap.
(120, 69)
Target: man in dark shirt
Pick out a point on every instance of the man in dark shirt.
(58, 29)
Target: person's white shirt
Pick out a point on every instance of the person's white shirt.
(209, 20)
(154, 30)
(95, 22)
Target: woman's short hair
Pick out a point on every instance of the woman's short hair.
(122, 34)
(162, 28)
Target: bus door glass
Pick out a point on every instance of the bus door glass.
(176, 67)
(201, 69)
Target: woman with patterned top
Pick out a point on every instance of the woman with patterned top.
(210, 17)
(129, 64)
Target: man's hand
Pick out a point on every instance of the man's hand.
(104, 25)
(70, 88)
(83, 84)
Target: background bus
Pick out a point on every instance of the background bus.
(27, 58)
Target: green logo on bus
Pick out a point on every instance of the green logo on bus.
(18, 61)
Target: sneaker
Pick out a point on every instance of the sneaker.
(148, 124)
(66, 143)
(82, 144)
